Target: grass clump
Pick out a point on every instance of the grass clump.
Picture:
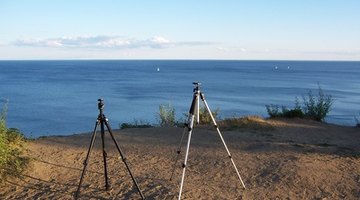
(247, 122)
(12, 161)
(135, 124)
(205, 117)
(166, 115)
(314, 107)
(282, 111)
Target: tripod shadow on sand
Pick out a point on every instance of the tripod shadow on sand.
(63, 166)
(36, 188)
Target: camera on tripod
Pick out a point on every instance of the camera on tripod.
(196, 83)
(196, 86)
(101, 104)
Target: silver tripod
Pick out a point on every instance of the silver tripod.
(194, 111)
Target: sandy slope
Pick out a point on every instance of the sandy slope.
(297, 160)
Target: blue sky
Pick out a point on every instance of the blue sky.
(180, 29)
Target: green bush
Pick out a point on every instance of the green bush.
(12, 162)
(166, 115)
(205, 116)
(135, 124)
(293, 113)
(274, 111)
(317, 107)
(314, 107)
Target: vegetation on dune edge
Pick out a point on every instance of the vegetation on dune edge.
(166, 118)
(314, 107)
(12, 160)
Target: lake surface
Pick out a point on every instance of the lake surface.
(60, 97)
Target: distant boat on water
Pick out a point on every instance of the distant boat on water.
(157, 69)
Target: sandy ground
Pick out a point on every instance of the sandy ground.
(298, 160)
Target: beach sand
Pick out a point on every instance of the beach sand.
(298, 160)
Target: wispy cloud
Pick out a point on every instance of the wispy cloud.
(119, 42)
(232, 49)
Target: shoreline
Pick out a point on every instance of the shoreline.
(157, 126)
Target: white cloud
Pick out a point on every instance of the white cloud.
(223, 49)
(104, 42)
(232, 49)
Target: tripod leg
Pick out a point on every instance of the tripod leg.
(87, 159)
(186, 154)
(124, 159)
(197, 109)
(178, 151)
(221, 137)
(107, 187)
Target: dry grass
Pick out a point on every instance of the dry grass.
(247, 122)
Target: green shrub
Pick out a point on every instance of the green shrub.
(317, 107)
(135, 124)
(314, 107)
(12, 162)
(204, 115)
(274, 111)
(293, 113)
(166, 115)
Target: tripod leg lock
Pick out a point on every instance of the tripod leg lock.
(183, 165)
(189, 129)
(124, 159)
(216, 126)
(230, 156)
(202, 96)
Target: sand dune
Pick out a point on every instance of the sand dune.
(298, 160)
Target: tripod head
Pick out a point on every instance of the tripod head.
(101, 104)
(196, 86)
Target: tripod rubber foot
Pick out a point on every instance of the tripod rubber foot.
(75, 196)
(108, 188)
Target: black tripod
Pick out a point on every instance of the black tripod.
(194, 110)
(102, 120)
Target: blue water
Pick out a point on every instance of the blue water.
(60, 97)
